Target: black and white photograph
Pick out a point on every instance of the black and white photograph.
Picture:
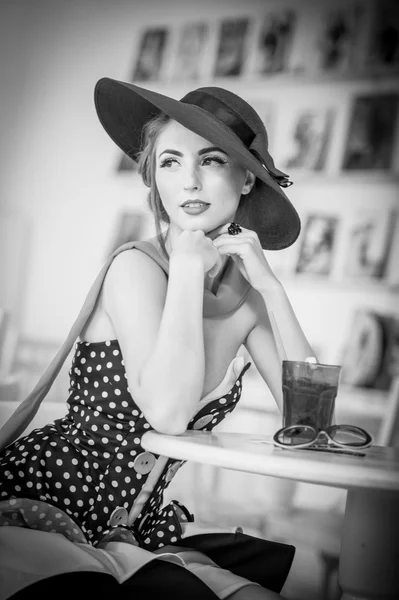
(369, 244)
(339, 40)
(196, 199)
(232, 48)
(383, 50)
(191, 52)
(274, 45)
(316, 252)
(309, 138)
(371, 132)
(150, 55)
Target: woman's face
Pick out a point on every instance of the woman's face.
(199, 185)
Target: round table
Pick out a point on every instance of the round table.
(369, 558)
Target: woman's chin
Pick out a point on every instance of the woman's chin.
(215, 231)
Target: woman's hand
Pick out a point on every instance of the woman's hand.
(195, 243)
(247, 253)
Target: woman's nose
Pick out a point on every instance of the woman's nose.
(192, 180)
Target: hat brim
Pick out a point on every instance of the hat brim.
(123, 110)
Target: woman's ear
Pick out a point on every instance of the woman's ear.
(249, 183)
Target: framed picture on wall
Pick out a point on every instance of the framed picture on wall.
(369, 243)
(307, 138)
(383, 50)
(191, 51)
(392, 276)
(274, 44)
(150, 54)
(231, 51)
(339, 38)
(316, 251)
(371, 133)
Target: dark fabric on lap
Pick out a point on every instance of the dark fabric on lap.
(158, 579)
(262, 561)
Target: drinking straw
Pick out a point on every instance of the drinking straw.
(277, 337)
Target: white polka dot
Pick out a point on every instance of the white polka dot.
(92, 354)
(117, 378)
(109, 365)
(104, 394)
(117, 392)
(98, 367)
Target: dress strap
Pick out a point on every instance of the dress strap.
(28, 408)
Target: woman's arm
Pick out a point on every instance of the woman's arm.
(277, 334)
(159, 327)
(261, 342)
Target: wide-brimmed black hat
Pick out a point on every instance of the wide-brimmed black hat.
(222, 118)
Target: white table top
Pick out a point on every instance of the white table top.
(378, 469)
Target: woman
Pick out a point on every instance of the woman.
(159, 336)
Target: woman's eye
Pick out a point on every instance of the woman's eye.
(214, 159)
(167, 162)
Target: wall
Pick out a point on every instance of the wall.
(59, 166)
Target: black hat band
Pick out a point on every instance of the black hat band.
(223, 112)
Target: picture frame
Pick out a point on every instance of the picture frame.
(150, 56)
(317, 245)
(190, 50)
(383, 43)
(371, 132)
(232, 47)
(274, 42)
(369, 243)
(307, 137)
(339, 42)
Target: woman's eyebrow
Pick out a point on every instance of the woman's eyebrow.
(200, 152)
(211, 149)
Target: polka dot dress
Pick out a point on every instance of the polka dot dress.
(90, 464)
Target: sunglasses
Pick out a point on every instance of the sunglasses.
(305, 436)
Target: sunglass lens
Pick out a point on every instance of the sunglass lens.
(295, 436)
(348, 435)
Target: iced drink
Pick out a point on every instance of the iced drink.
(309, 392)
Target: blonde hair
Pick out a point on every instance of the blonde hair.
(146, 168)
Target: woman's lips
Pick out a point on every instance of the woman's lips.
(195, 208)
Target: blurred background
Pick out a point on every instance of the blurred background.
(324, 76)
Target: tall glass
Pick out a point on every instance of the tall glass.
(309, 392)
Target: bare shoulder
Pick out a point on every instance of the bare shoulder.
(134, 270)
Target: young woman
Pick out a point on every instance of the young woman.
(158, 342)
